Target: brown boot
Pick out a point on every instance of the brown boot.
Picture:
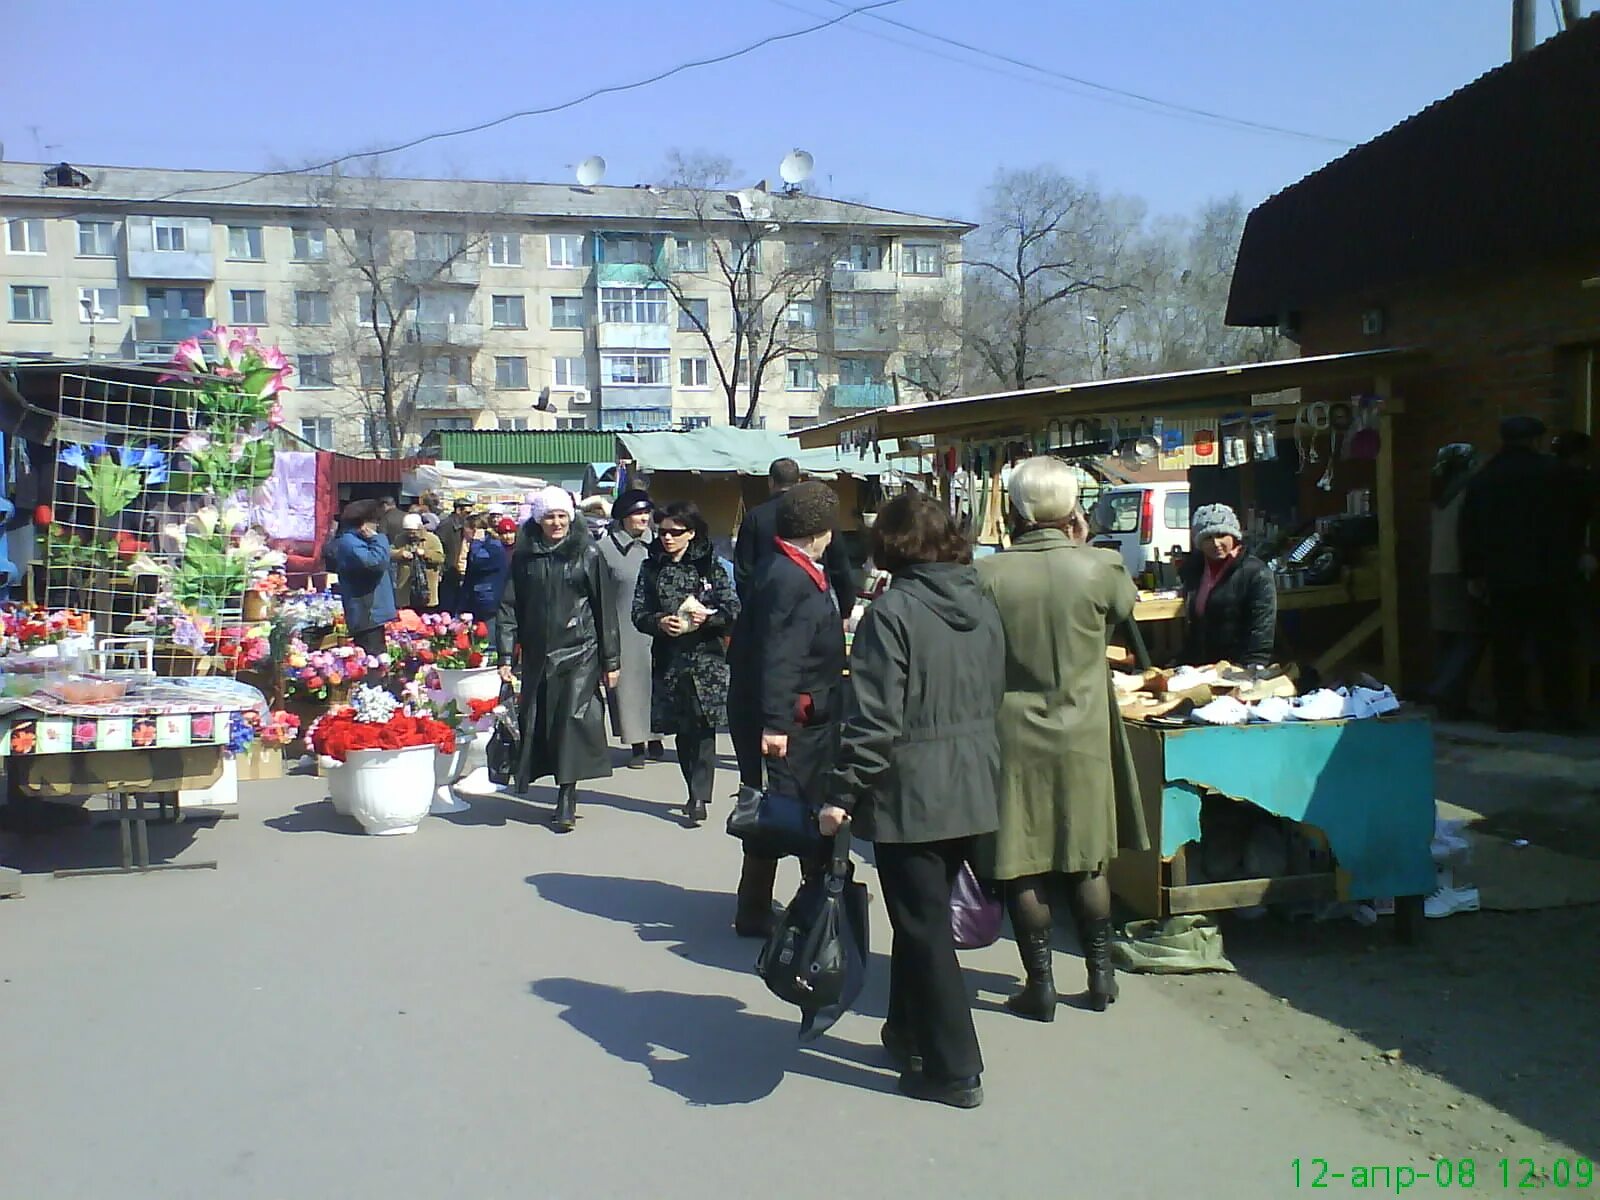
(753, 918)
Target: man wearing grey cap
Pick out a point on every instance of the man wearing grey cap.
(1513, 555)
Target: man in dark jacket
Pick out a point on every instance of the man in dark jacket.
(1230, 604)
(787, 673)
(451, 532)
(1516, 553)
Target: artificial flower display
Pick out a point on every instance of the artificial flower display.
(376, 720)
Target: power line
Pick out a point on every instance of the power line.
(1168, 106)
(609, 89)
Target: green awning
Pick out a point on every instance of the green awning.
(721, 448)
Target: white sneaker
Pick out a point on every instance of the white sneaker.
(1320, 705)
(1448, 901)
(1371, 702)
(1274, 710)
(1186, 679)
(1224, 710)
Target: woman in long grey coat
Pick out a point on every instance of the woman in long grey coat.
(623, 549)
(1069, 797)
(558, 612)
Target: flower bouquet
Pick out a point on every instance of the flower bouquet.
(262, 756)
(27, 626)
(385, 750)
(234, 384)
(317, 674)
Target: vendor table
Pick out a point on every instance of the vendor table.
(1367, 785)
(163, 737)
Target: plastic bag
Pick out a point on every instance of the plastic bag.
(975, 915)
(505, 741)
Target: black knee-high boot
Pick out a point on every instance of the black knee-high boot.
(566, 817)
(1032, 929)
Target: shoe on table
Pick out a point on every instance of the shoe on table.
(957, 1093)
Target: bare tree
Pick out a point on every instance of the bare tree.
(764, 255)
(932, 332)
(400, 312)
(1045, 239)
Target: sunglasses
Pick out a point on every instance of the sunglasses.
(665, 531)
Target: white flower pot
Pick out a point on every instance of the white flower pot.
(473, 683)
(339, 783)
(390, 790)
(447, 770)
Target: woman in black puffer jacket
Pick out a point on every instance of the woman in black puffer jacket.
(1230, 602)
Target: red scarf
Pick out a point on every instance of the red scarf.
(804, 561)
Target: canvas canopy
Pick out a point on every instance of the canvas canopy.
(725, 450)
(450, 481)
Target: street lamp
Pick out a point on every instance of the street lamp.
(1106, 327)
(93, 312)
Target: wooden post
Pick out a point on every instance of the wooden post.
(1388, 544)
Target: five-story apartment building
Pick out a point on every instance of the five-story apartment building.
(413, 305)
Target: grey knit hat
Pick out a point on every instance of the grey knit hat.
(806, 510)
(1213, 520)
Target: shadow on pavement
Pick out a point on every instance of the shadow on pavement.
(536, 808)
(95, 843)
(711, 1050)
(315, 817)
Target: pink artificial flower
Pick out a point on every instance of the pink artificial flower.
(277, 383)
(194, 443)
(273, 358)
(189, 355)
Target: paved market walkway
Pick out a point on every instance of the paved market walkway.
(488, 1010)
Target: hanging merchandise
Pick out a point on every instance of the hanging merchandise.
(1339, 426)
(1364, 439)
(1205, 444)
(1235, 447)
(1309, 423)
(1174, 447)
(1264, 437)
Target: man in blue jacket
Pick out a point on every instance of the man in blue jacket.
(360, 555)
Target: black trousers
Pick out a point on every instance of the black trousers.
(697, 759)
(374, 641)
(744, 727)
(927, 993)
(1516, 616)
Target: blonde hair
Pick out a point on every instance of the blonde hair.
(1044, 491)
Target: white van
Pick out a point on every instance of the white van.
(1144, 521)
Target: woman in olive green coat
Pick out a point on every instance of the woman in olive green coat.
(1069, 799)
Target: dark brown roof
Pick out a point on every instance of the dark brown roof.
(1504, 171)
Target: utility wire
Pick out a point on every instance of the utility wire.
(609, 89)
(1167, 106)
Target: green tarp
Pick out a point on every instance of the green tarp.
(720, 448)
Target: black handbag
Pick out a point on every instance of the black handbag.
(774, 825)
(505, 741)
(816, 958)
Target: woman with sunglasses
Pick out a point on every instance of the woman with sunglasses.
(686, 601)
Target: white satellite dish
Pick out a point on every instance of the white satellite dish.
(796, 167)
(591, 170)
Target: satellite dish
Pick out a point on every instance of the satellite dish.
(591, 170)
(796, 167)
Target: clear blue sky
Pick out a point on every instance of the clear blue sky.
(134, 84)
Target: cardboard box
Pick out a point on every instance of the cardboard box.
(260, 762)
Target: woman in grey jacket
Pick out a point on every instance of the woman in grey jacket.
(919, 770)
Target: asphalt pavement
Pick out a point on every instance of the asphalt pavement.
(487, 1009)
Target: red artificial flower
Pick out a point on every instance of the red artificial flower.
(479, 709)
(313, 683)
(475, 659)
(480, 630)
(425, 654)
(463, 642)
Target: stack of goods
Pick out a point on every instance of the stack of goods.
(1224, 694)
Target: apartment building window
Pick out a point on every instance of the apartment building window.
(170, 236)
(175, 302)
(445, 424)
(509, 312)
(439, 247)
(633, 306)
(566, 312)
(570, 372)
(510, 373)
(691, 254)
(99, 305)
(565, 250)
(313, 371)
(318, 431)
(802, 375)
(693, 315)
(249, 307)
(447, 368)
(803, 252)
(579, 422)
(371, 370)
(802, 420)
(864, 256)
(505, 250)
(927, 370)
(370, 310)
(372, 245)
(741, 373)
(30, 303)
(97, 239)
(310, 243)
(859, 312)
(244, 243)
(518, 423)
(860, 370)
(312, 308)
(746, 255)
(922, 314)
(697, 422)
(800, 314)
(626, 248)
(633, 370)
(25, 235)
(694, 372)
(922, 258)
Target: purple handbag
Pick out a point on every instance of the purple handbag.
(974, 914)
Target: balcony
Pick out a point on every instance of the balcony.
(639, 407)
(620, 335)
(155, 339)
(848, 279)
(861, 395)
(462, 334)
(148, 257)
(464, 270)
(882, 337)
(435, 396)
